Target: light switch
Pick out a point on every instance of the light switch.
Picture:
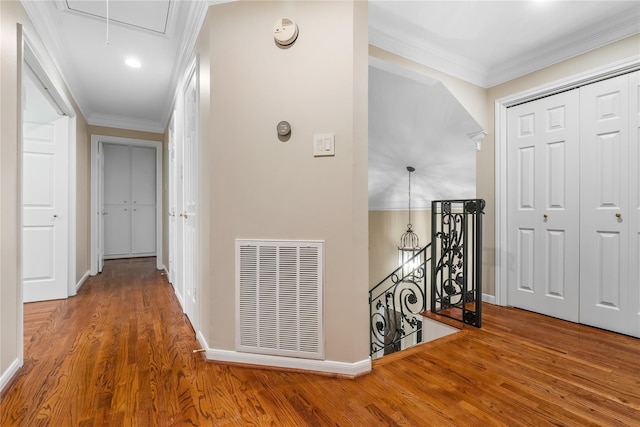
(323, 144)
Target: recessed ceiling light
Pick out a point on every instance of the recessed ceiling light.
(133, 63)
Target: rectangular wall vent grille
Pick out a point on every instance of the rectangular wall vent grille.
(279, 298)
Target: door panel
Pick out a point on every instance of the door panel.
(45, 210)
(143, 230)
(543, 214)
(117, 174)
(117, 225)
(605, 293)
(143, 174)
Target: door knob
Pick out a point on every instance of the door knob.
(55, 215)
(184, 215)
(545, 216)
(618, 215)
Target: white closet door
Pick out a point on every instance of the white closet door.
(117, 231)
(143, 229)
(130, 201)
(143, 197)
(143, 175)
(543, 205)
(634, 201)
(117, 174)
(605, 294)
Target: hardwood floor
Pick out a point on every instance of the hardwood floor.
(120, 354)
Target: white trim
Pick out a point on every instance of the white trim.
(95, 140)
(600, 73)
(123, 122)
(9, 373)
(421, 50)
(84, 277)
(488, 298)
(326, 366)
(72, 200)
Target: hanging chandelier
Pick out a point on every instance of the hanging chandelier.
(409, 242)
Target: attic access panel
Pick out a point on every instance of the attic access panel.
(143, 15)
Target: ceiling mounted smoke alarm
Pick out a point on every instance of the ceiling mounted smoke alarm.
(285, 32)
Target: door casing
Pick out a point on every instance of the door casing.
(96, 189)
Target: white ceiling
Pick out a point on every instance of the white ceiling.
(483, 42)
(490, 42)
(91, 54)
(415, 121)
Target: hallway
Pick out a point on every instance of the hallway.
(120, 353)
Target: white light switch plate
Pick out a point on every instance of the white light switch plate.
(323, 144)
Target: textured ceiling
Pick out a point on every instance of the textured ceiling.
(415, 121)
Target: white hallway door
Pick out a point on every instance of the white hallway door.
(596, 247)
(190, 200)
(45, 210)
(543, 216)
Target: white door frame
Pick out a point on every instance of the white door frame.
(34, 54)
(611, 70)
(96, 188)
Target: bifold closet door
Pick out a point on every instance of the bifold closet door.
(543, 205)
(117, 198)
(609, 240)
(143, 199)
(129, 201)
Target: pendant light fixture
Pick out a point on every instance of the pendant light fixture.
(409, 242)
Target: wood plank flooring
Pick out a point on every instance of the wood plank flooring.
(120, 354)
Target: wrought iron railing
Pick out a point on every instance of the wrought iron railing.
(456, 250)
(395, 305)
(448, 272)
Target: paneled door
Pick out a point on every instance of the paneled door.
(45, 210)
(609, 217)
(129, 201)
(543, 206)
(143, 200)
(173, 198)
(634, 200)
(190, 199)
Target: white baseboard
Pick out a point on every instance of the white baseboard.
(82, 280)
(488, 298)
(9, 373)
(325, 366)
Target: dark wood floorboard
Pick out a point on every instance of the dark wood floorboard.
(120, 354)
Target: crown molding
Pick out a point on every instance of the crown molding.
(614, 30)
(423, 52)
(193, 23)
(48, 45)
(426, 54)
(125, 122)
